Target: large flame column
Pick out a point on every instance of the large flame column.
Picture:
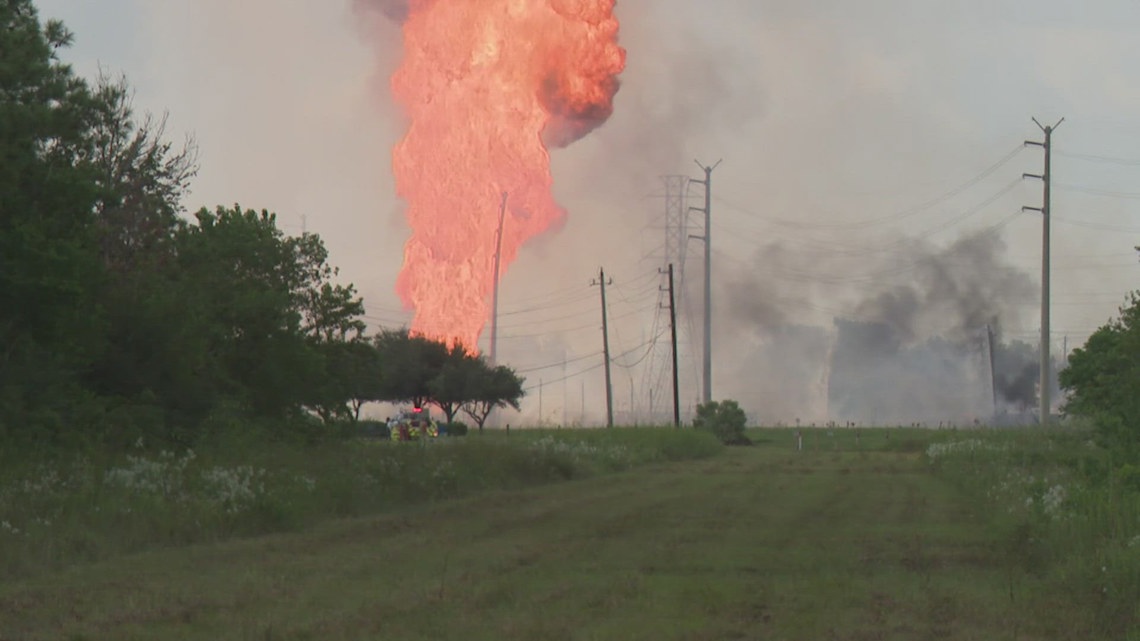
(487, 86)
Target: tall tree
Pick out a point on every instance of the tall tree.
(49, 318)
(352, 376)
(251, 288)
(410, 365)
(499, 388)
(1103, 380)
(458, 381)
(142, 177)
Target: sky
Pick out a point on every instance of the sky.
(842, 127)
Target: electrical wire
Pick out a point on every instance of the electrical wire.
(893, 246)
(565, 378)
(905, 213)
(561, 363)
(1123, 195)
(652, 343)
(1124, 162)
(1099, 226)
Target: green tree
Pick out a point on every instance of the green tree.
(332, 323)
(1103, 379)
(364, 373)
(251, 290)
(113, 309)
(497, 388)
(410, 364)
(50, 319)
(725, 419)
(353, 376)
(458, 381)
(142, 179)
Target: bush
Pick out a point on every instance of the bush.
(456, 428)
(724, 419)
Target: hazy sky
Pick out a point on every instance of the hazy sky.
(824, 112)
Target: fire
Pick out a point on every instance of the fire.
(487, 86)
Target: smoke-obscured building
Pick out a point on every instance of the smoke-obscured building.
(875, 378)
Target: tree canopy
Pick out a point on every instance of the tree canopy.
(121, 316)
(1103, 379)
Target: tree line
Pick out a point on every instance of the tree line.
(1103, 383)
(122, 317)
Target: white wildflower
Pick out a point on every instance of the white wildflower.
(1053, 499)
(234, 488)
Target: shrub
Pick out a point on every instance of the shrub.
(724, 419)
(457, 428)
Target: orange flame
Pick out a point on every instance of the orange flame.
(488, 84)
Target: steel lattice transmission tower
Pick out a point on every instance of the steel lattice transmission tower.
(672, 216)
(676, 223)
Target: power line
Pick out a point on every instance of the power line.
(571, 330)
(650, 344)
(893, 246)
(801, 276)
(548, 306)
(1123, 195)
(905, 213)
(1110, 160)
(564, 378)
(561, 363)
(1100, 226)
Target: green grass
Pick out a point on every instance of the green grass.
(85, 508)
(900, 535)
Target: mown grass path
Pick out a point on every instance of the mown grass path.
(759, 543)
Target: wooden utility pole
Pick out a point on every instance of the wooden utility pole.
(495, 291)
(606, 347)
(673, 333)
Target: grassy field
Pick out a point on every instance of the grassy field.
(887, 538)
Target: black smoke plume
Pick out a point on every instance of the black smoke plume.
(908, 340)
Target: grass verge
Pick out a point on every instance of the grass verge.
(85, 508)
(1066, 514)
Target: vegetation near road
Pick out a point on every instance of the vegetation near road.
(899, 535)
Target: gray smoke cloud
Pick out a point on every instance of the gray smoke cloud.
(904, 338)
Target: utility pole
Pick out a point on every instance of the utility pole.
(673, 337)
(707, 182)
(582, 414)
(993, 370)
(632, 417)
(495, 291)
(1045, 178)
(606, 347)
